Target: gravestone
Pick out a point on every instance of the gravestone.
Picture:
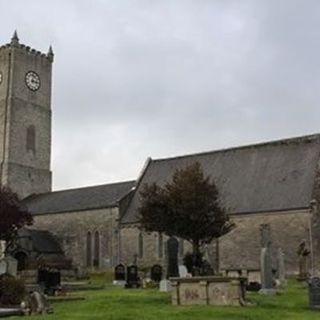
(3, 267)
(49, 280)
(120, 272)
(206, 269)
(12, 266)
(172, 257)
(281, 269)
(266, 261)
(156, 273)
(183, 271)
(8, 265)
(314, 293)
(303, 253)
(165, 286)
(132, 277)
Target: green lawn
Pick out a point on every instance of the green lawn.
(132, 304)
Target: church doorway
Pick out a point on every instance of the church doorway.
(22, 259)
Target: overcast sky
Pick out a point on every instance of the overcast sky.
(140, 78)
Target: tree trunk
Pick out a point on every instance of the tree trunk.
(196, 258)
(217, 271)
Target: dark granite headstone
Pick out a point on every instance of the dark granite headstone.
(132, 277)
(49, 280)
(156, 273)
(172, 257)
(120, 272)
(314, 293)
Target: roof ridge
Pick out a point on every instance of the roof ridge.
(297, 139)
(79, 188)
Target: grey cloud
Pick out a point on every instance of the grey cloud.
(138, 78)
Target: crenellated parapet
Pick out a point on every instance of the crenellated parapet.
(16, 45)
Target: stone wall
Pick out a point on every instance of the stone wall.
(151, 251)
(238, 249)
(71, 228)
(241, 247)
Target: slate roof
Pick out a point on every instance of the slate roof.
(96, 197)
(277, 175)
(42, 241)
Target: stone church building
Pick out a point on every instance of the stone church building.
(274, 183)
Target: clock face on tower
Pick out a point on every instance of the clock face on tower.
(32, 80)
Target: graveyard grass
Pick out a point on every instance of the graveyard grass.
(149, 304)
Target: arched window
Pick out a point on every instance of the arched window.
(181, 247)
(140, 245)
(89, 249)
(96, 254)
(160, 245)
(31, 139)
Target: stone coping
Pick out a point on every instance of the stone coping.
(5, 312)
(208, 279)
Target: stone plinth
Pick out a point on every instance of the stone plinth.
(213, 290)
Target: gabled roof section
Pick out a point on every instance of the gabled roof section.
(42, 241)
(277, 175)
(96, 197)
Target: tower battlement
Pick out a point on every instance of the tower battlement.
(25, 118)
(31, 51)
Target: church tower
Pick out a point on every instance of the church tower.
(25, 118)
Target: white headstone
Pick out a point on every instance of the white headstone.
(165, 286)
(12, 265)
(3, 266)
(183, 271)
(281, 269)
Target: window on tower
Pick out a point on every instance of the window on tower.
(31, 139)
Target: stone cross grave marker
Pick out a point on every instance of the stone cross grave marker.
(303, 253)
(172, 257)
(266, 261)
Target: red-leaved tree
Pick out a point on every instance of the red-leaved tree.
(13, 215)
